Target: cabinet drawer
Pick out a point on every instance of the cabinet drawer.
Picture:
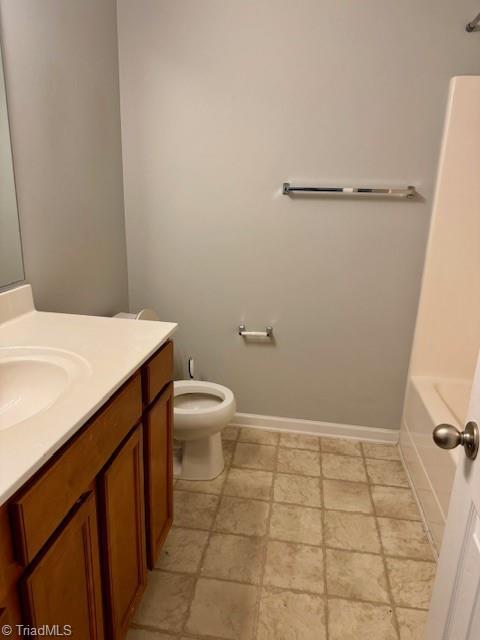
(158, 371)
(39, 509)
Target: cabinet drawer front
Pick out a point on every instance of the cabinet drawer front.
(64, 586)
(123, 533)
(159, 371)
(40, 508)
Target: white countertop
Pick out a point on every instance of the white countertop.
(112, 348)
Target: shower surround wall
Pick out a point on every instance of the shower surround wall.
(223, 101)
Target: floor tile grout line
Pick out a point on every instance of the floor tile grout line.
(198, 574)
(303, 506)
(298, 504)
(328, 547)
(283, 473)
(367, 482)
(429, 538)
(267, 537)
(175, 634)
(321, 478)
(212, 531)
(375, 603)
(333, 478)
(420, 520)
(289, 589)
(324, 597)
(384, 561)
(324, 550)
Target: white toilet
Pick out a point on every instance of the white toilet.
(201, 410)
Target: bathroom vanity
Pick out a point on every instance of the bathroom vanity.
(88, 503)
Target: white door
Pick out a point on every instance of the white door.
(455, 607)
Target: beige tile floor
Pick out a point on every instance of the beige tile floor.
(301, 538)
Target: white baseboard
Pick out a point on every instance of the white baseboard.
(314, 428)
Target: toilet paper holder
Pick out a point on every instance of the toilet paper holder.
(242, 331)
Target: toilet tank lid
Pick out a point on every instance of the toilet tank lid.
(147, 314)
(144, 314)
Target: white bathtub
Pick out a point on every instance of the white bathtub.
(431, 401)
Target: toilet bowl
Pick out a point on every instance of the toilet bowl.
(201, 410)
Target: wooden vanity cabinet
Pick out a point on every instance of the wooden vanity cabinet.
(74, 540)
(41, 506)
(157, 373)
(10, 571)
(4, 616)
(158, 471)
(122, 512)
(63, 585)
(10, 613)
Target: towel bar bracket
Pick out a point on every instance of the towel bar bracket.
(473, 25)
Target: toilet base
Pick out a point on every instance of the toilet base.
(202, 459)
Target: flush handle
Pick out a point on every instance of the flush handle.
(447, 436)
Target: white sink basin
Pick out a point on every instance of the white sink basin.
(32, 379)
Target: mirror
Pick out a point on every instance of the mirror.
(11, 262)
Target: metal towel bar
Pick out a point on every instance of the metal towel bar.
(406, 192)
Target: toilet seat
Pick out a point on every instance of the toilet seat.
(198, 387)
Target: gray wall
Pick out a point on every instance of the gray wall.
(222, 102)
(61, 69)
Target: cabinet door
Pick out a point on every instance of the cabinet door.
(63, 587)
(159, 472)
(10, 613)
(123, 533)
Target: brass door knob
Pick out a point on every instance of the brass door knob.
(447, 436)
